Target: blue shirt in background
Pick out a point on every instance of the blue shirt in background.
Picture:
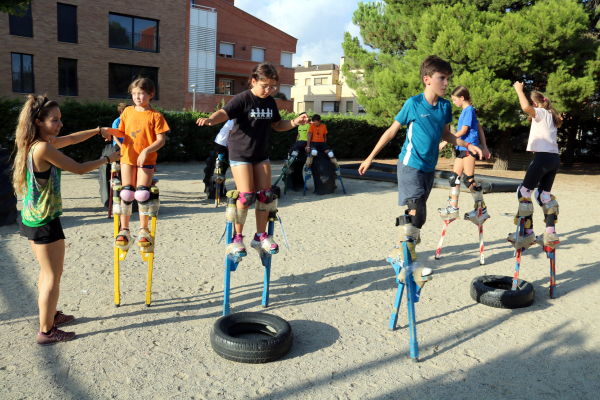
(426, 124)
(468, 118)
(115, 125)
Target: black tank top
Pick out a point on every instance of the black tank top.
(42, 175)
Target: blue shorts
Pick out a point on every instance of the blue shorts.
(238, 163)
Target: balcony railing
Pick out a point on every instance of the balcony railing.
(21, 26)
(67, 86)
(22, 82)
(67, 33)
(133, 41)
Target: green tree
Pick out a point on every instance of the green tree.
(14, 7)
(551, 45)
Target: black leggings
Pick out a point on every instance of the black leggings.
(541, 174)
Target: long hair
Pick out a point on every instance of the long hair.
(262, 72)
(36, 107)
(544, 102)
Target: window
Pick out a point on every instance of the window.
(21, 26)
(286, 59)
(320, 81)
(330, 106)
(226, 50)
(258, 55)
(121, 75)
(22, 73)
(361, 109)
(225, 87)
(309, 106)
(295, 82)
(349, 106)
(132, 33)
(66, 16)
(307, 82)
(67, 77)
(300, 107)
(287, 90)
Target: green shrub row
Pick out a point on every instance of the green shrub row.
(349, 137)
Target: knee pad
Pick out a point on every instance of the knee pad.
(470, 179)
(418, 220)
(408, 231)
(247, 198)
(330, 154)
(266, 200)
(454, 179)
(313, 153)
(522, 191)
(128, 194)
(549, 206)
(142, 194)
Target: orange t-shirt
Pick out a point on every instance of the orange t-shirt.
(318, 133)
(140, 130)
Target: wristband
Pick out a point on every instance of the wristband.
(107, 160)
(99, 131)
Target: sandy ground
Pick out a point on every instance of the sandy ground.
(335, 289)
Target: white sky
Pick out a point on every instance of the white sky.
(320, 32)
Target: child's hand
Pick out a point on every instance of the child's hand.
(518, 86)
(364, 167)
(204, 121)
(142, 158)
(302, 120)
(486, 153)
(104, 132)
(442, 145)
(476, 150)
(114, 156)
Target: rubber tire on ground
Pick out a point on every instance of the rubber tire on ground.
(495, 291)
(254, 351)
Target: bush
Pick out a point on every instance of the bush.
(349, 137)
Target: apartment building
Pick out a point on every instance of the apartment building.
(92, 51)
(322, 89)
(224, 44)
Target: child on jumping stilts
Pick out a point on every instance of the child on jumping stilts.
(542, 170)
(428, 118)
(255, 112)
(317, 136)
(470, 131)
(143, 129)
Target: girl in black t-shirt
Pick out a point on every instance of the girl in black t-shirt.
(255, 112)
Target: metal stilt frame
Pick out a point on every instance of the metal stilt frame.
(218, 178)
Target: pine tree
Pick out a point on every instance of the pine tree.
(551, 45)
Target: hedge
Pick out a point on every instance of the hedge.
(349, 137)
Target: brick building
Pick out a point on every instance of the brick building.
(241, 41)
(92, 50)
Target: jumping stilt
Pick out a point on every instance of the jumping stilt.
(519, 233)
(287, 168)
(231, 264)
(218, 178)
(438, 252)
(307, 175)
(551, 253)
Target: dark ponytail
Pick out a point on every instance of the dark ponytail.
(462, 91)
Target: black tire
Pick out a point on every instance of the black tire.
(495, 291)
(323, 174)
(254, 351)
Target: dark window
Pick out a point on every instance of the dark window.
(66, 15)
(121, 75)
(23, 25)
(67, 77)
(132, 33)
(22, 73)
(330, 106)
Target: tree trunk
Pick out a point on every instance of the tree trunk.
(569, 153)
(503, 152)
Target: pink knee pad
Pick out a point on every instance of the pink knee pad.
(127, 195)
(545, 197)
(525, 192)
(247, 198)
(142, 194)
(265, 196)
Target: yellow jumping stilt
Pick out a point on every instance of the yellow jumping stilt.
(148, 255)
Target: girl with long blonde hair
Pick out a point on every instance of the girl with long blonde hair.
(36, 177)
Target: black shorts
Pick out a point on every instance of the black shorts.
(320, 146)
(463, 153)
(45, 234)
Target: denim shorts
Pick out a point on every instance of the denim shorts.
(238, 163)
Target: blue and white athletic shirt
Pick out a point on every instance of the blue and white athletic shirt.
(468, 118)
(425, 127)
(115, 125)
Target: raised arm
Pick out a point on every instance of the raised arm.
(525, 106)
(387, 136)
(58, 159)
(63, 141)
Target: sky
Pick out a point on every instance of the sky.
(320, 34)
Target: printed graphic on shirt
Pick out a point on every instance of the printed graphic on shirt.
(261, 114)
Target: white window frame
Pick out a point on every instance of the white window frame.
(263, 54)
(221, 54)
(291, 59)
(287, 92)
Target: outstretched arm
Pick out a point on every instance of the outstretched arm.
(387, 136)
(525, 106)
(55, 157)
(450, 138)
(63, 141)
(286, 125)
(214, 119)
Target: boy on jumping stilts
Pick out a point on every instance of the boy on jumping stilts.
(428, 117)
